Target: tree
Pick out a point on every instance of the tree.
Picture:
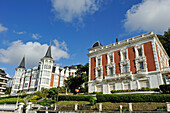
(73, 83)
(165, 40)
(52, 93)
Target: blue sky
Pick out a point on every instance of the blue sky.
(73, 26)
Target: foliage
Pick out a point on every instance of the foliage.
(130, 90)
(72, 102)
(165, 89)
(34, 98)
(133, 98)
(92, 101)
(96, 93)
(73, 83)
(43, 93)
(8, 90)
(165, 40)
(52, 93)
(46, 102)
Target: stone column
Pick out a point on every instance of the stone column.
(28, 107)
(46, 109)
(20, 109)
(168, 106)
(130, 107)
(100, 107)
(76, 107)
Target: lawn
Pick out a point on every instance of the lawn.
(72, 102)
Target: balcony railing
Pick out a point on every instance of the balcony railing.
(165, 70)
(127, 75)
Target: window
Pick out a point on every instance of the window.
(16, 86)
(126, 86)
(26, 85)
(53, 70)
(125, 69)
(111, 71)
(140, 51)
(144, 83)
(27, 78)
(124, 56)
(99, 73)
(99, 88)
(111, 58)
(98, 62)
(166, 79)
(141, 67)
(45, 81)
(47, 66)
(112, 87)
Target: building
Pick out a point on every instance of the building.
(3, 81)
(46, 75)
(133, 63)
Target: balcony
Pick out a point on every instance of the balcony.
(165, 70)
(142, 73)
(115, 77)
(98, 80)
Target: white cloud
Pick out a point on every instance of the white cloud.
(150, 15)
(33, 51)
(2, 28)
(36, 36)
(69, 10)
(19, 33)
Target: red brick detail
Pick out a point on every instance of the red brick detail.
(104, 63)
(117, 61)
(93, 65)
(52, 80)
(131, 55)
(149, 56)
(29, 82)
(58, 80)
(158, 55)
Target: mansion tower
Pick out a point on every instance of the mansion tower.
(46, 75)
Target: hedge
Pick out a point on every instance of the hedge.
(74, 97)
(142, 89)
(133, 98)
(165, 89)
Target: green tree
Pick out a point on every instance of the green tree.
(52, 93)
(165, 40)
(73, 83)
(8, 90)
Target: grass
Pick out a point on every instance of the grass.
(72, 102)
(139, 106)
(10, 100)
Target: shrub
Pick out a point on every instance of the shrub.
(92, 101)
(74, 97)
(96, 93)
(130, 90)
(133, 98)
(46, 102)
(165, 89)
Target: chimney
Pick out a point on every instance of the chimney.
(117, 40)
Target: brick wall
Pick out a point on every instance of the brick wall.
(149, 56)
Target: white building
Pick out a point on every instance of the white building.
(3, 81)
(133, 63)
(46, 75)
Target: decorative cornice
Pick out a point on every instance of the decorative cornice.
(121, 43)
